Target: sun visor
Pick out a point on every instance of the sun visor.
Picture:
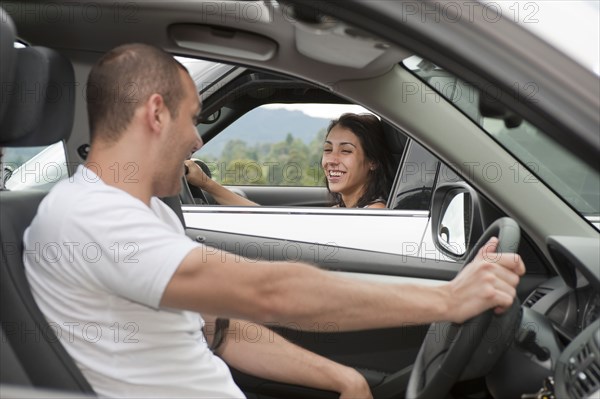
(335, 43)
(223, 42)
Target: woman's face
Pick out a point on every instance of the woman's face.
(345, 164)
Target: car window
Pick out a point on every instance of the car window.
(545, 160)
(414, 186)
(33, 167)
(273, 145)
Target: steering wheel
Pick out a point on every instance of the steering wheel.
(191, 194)
(480, 341)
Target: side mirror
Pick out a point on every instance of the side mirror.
(452, 230)
(454, 219)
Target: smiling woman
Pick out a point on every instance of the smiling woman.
(357, 165)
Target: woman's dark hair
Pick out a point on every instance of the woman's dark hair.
(369, 131)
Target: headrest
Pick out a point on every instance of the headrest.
(41, 99)
(7, 56)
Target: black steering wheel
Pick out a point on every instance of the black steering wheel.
(191, 194)
(479, 342)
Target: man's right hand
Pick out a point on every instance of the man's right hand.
(489, 281)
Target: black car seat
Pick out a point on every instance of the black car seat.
(396, 141)
(7, 55)
(34, 116)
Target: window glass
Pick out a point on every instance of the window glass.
(417, 177)
(273, 145)
(544, 159)
(447, 175)
(33, 167)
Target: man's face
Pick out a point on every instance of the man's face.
(181, 140)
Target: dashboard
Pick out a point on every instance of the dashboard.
(561, 353)
(577, 373)
(570, 310)
(591, 310)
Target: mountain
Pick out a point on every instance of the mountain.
(263, 125)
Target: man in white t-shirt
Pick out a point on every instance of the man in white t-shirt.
(123, 287)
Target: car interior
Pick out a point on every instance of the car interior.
(299, 54)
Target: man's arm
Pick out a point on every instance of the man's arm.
(265, 354)
(216, 282)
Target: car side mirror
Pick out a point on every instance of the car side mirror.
(451, 234)
(454, 217)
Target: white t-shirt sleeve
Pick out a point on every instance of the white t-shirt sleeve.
(131, 252)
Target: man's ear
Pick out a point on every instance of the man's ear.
(156, 112)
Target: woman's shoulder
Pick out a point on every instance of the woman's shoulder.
(377, 203)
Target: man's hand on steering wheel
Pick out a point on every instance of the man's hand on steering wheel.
(488, 281)
(456, 348)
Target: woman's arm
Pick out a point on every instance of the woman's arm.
(222, 195)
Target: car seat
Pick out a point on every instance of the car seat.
(33, 115)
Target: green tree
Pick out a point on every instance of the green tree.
(235, 149)
(289, 162)
(241, 172)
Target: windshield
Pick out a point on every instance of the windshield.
(573, 180)
(570, 26)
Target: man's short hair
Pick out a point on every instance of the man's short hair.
(126, 77)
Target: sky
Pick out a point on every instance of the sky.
(573, 26)
(328, 111)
